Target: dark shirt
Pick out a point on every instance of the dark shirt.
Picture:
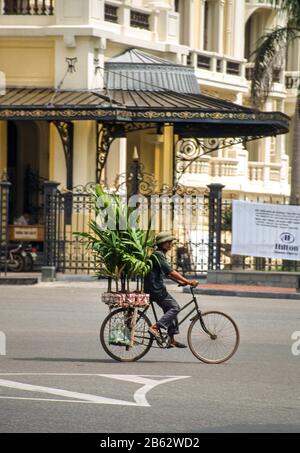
(154, 281)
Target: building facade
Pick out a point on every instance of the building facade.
(215, 37)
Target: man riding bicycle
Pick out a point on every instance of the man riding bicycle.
(154, 285)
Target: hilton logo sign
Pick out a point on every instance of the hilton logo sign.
(287, 244)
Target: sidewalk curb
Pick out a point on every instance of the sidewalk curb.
(253, 294)
(18, 281)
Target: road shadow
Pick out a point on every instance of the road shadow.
(111, 361)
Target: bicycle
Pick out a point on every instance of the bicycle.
(213, 337)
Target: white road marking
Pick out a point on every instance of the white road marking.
(2, 343)
(139, 395)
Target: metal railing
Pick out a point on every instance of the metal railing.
(29, 7)
(4, 216)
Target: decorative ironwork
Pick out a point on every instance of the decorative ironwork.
(71, 64)
(136, 181)
(106, 134)
(66, 132)
(51, 209)
(215, 226)
(189, 151)
(280, 120)
(4, 218)
(62, 249)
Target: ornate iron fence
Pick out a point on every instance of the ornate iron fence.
(191, 215)
(200, 219)
(4, 218)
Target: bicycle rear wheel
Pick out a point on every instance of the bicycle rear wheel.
(218, 347)
(121, 320)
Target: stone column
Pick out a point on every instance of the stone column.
(220, 27)
(84, 152)
(116, 161)
(237, 37)
(202, 24)
(230, 28)
(267, 149)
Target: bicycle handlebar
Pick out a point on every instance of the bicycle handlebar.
(181, 285)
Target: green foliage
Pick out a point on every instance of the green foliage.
(227, 219)
(123, 250)
(270, 45)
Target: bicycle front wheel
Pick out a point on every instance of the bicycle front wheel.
(218, 346)
(136, 344)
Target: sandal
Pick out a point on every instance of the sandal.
(178, 345)
(154, 332)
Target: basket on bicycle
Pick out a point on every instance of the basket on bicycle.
(126, 300)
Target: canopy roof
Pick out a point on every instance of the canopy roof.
(138, 71)
(144, 100)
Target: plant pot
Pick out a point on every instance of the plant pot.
(126, 299)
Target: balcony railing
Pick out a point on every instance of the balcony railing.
(139, 20)
(211, 61)
(277, 73)
(111, 13)
(215, 166)
(256, 171)
(29, 7)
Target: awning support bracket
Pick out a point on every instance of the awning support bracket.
(66, 133)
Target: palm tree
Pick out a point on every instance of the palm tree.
(265, 60)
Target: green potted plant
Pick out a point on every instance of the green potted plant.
(123, 251)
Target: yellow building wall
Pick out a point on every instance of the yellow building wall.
(27, 62)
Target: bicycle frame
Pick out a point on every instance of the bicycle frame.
(180, 322)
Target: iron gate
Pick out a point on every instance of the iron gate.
(193, 217)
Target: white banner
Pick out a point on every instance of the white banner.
(266, 230)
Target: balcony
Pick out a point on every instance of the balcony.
(257, 172)
(214, 167)
(28, 7)
(214, 67)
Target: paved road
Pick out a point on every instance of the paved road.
(56, 378)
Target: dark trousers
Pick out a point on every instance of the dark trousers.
(171, 309)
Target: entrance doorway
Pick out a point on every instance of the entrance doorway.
(28, 168)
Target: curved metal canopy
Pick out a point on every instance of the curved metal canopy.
(174, 99)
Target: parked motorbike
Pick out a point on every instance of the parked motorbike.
(29, 254)
(11, 258)
(17, 258)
